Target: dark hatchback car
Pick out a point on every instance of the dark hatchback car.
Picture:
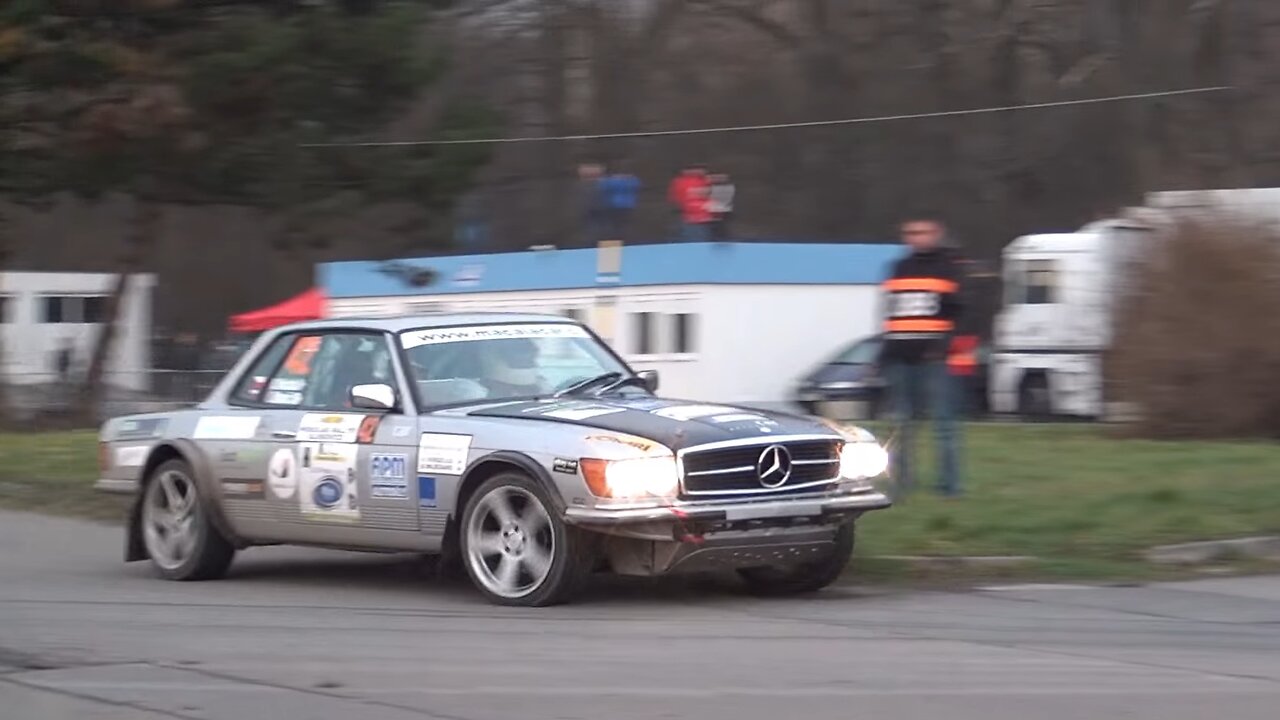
(850, 385)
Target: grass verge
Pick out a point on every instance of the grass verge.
(53, 473)
(1083, 504)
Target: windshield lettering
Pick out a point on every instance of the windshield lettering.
(495, 363)
(493, 332)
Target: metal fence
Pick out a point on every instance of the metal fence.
(33, 396)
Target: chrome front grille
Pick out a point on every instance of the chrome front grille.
(733, 468)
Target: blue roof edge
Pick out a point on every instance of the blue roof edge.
(755, 263)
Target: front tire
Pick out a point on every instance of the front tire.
(177, 532)
(806, 578)
(515, 547)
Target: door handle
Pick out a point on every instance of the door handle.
(284, 434)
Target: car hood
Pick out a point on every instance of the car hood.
(676, 424)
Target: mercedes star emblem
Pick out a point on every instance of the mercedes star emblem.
(774, 466)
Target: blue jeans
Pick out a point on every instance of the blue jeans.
(697, 232)
(913, 388)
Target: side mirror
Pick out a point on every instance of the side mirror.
(650, 378)
(373, 397)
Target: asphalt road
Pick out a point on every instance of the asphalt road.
(311, 635)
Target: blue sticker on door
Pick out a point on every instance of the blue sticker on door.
(387, 476)
(426, 491)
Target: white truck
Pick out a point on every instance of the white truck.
(1059, 294)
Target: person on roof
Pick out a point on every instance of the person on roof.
(690, 194)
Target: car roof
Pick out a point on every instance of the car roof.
(400, 323)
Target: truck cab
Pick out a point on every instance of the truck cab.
(1055, 319)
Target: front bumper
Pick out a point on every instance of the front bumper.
(730, 512)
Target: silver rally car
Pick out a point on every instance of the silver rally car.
(519, 446)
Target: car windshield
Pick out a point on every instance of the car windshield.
(477, 363)
(863, 352)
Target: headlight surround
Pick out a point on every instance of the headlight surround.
(863, 460)
(635, 479)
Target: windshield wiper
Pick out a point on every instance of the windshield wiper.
(609, 377)
(623, 382)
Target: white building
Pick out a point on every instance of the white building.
(43, 313)
(722, 322)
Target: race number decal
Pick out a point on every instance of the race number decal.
(914, 304)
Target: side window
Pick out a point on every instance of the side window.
(1042, 282)
(317, 371)
(254, 382)
(293, 380)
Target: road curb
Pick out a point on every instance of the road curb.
(953, 562)
(1264, 547)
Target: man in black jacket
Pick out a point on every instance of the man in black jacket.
(922, 308)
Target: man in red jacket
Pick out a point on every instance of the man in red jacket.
(689, 194)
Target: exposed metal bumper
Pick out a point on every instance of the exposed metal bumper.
(116, 487)
(730, 512)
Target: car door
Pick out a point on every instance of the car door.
(243, 445)
(343, 477)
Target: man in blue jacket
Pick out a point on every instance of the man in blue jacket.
(621, 192)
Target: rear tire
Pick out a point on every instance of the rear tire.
(516, 548)
(806, 578)
(179, 536)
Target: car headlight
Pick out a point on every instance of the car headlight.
(645, 478)
(863, 460)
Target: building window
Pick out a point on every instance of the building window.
(643, 339)
(682, 329)
(95, 309)
(60, 309)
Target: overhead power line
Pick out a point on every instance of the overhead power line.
(781, 126)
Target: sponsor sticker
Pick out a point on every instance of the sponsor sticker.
(245, 489)
(329, 427)
(368, 429)
(228, 456)
(222, 427)
(426, 491)
(281, 397)
(288, 384)
(437, 336)
(568, 467)
(443, 454)
(327, 482)
(401, 431)
(388, 476)
(582, 413)
(282, 474)
(685, 413)
(134, 456)
(140, 429)
(618, 447)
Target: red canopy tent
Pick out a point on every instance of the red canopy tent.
(307, 306)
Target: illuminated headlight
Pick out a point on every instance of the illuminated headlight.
(863, 460)
(646, 478)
